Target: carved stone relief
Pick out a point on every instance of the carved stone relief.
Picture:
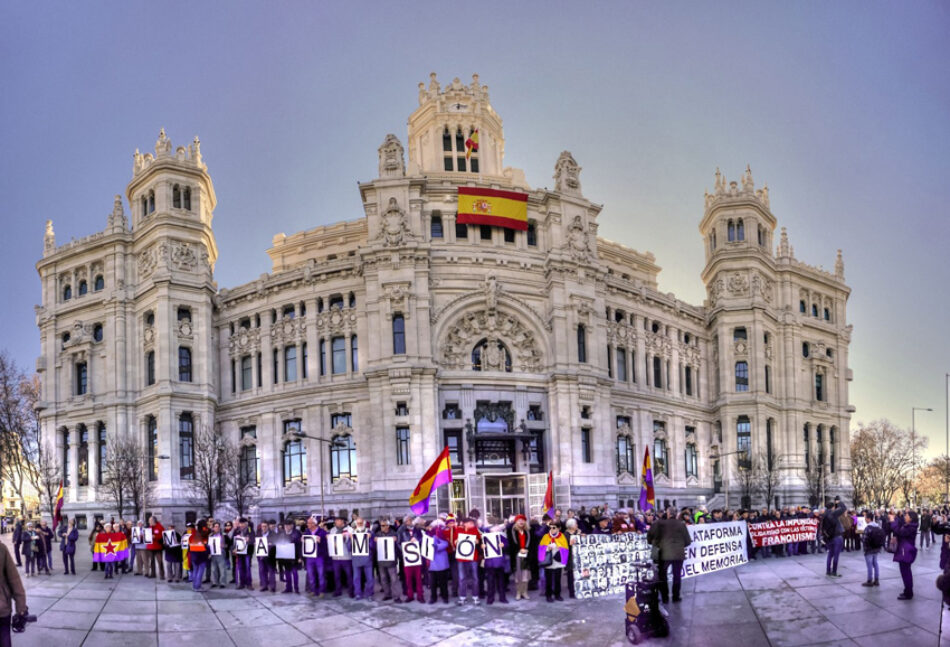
(500, 327)
(394, 227)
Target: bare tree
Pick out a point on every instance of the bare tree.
(749, 484)
(816, 478)
(243, 491)
(215, 467)
(883, 456)
(932, 481)
(767, 475)
(46, 478)
(19, 429)
(125, 464)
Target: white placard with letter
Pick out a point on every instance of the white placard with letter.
(261, 549)
(492, 544)
(386, 549)
(428, 547)
(360, 544)
(171, 540)
(411, 555)
(240, 545)
(286, 551)
(214, 545)
(862, 524)
(465, 548)
(337, 545)
(147, 536)
(308, 546)
(185, 541)
(136, 535)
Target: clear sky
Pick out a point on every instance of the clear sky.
(843, 108)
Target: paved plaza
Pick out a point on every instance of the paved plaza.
(779, 602)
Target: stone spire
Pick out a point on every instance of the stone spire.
(195, 150)
(747, 185)
(163, 146)
(117, 217)
(784, 249)
(391, 160)
(839, 267)
(49, 239)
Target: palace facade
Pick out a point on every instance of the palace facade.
(375, 342)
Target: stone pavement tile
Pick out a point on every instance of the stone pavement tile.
(179, 595)
(747, 634)
(706, 613)
(65, 619)
(480, 638)
(382, 616)
(424, 631)
(516, 624)
(138, 622)
(120, 639)
(719, 581)
(865, 623)
(761, 581)
(840, 602)
(780, 605)
(820, 591)
(38, 635)
(922, 613)
(283, 635)
(248, 618)
(793, 633)
(80, 604)
(91, 593)
(371, 638)
(846, 642)
(467, 616)
(188, 621)
(297, 613)
(218, 638)
(135, 594)
(332, 626)
(131, 607)
(234, 604)
(39, 604)
(573, 631)
(183, 606)
(907, 637)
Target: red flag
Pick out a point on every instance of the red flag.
(57, 515)
(548, 506)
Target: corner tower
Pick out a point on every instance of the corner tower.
(445, 120)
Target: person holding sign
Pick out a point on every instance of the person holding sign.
(672, 538)
(438, 565)
(339, 547)
(362, 559)
(264, 551)
(154, 548)
(386, 559)
(467, 556)
(313, 548)
(412, 565)
(288, 554)
(494, 548)
(139, 548)
(523, 553)
(242, 538)
(198, 553)
(219, 543)
(171, 541)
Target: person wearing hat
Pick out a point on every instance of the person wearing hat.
(316, 566)
(343, 563)
(289, 535)
(495, 570)
(438, 565)
(173, 555)
(522, 550)
(603, 526)
(242, 562)
(387, 568)
(672, 538)
(363, 564)
(468, 570)
(557, 554)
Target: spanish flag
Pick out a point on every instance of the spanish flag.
(492, 207)
(58, 513)
(548, 507)
(110, 547)
(647, 497)
(471, 144)
(436, 476)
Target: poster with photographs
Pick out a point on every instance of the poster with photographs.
(604, 564)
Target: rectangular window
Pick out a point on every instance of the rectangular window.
(294, 454)
(474, 165)
(689, 380)
(402, 445)
(247, 377)
(184, 364)
(303, 363)
(250, 466)
(509, 235)
(610, 362)
(581, 344)
(585, 445)
(323, 357)
(744, 441)
(461, 231)
(402, 409)
(484, 232)
(451, 411)
(152, 449)
(276, 365)
(354, 355)
(399, 335)
(233, 376)
(344, 419)
(819, 387)
(742, 376)
(290, 364)
(102, 453)
(831, 442)
(768, 378)
(186, 447)
(461, 163)
(453, 439)
(657, 373)
(435, 229)
(66, 457)
(532, 235)
(83, 456)
(447, 164)
(150, 368)
(621, 365)
(82, 378)
(260, 362)
(338, 348)
(691, 462)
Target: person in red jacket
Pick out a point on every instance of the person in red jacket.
(155, 549)
(468, 560)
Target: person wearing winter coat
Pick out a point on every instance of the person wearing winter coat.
(316, 566)
(31, 543)
(412, 573)
(672, 538)
(154, 550)
(363, 564)
(926, 523)
(343, 564)
(172, 552)
(242, 561)
(198, 553)
(555, 551)
(522, 551)
(572, 532)
(905, 529)
(941, 527)
(289, 535)
(468, 569)
(68, 546)
(439, 566)
(872, 532)
(220, 562)
(388, 577)
(495, 570)
(835, 532)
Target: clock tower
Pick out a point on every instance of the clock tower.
(443, 124)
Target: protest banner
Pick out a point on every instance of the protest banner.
(385, 549)
(492, 544)
(715, 547)
(428, 547)
(170, 538)
(360, 544)
(783, 531)
(603, 564)
(308, 546)
(465, 548)
(261, 548)
(240, 545)
(411, 553)
(214, 545)
(286, 551)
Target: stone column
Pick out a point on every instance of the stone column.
(92, 450)
(73, 475)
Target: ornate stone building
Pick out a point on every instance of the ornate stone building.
(375, 342)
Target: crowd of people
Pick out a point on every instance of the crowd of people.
(538, 553)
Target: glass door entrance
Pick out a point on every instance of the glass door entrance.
(505, 496)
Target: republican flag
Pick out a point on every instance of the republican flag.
(57, 514)
(495, 207)
(471, 144)
(439, 474)
(647, 498)
(549, 496)
(110, 547)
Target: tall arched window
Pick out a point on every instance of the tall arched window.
(99, 283)
(151, 201)
(83, 462)
(152, 440)
(249, 472)
(832, 443)
(625, 456)
(343, 458)
(731, 231)
(742, 376)
(247, 377)
(67, 293)
(83, 287)
(807, 445)
(65, 433)
(814, 310)
(491, 356)
(661, 463)
(186, 198)
(435, 227)
(186, 447)
(150, 368)
(290, 364)
(768, 444)
(323, 357)
(740, 230)
(399, 335)
(101, 464)
(819, 441)
(97, 332)
(744, 441)
(581, 344)
(176, 197)
(819, 387)
(338, 351)
(801, 306)
(692, 461)
(826, 314)
(184, 364)
(446, 141)
(295, 462)
(805, 349)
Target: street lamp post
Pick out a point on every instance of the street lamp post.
(913, 448)
(946, 454)
(330, 443)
